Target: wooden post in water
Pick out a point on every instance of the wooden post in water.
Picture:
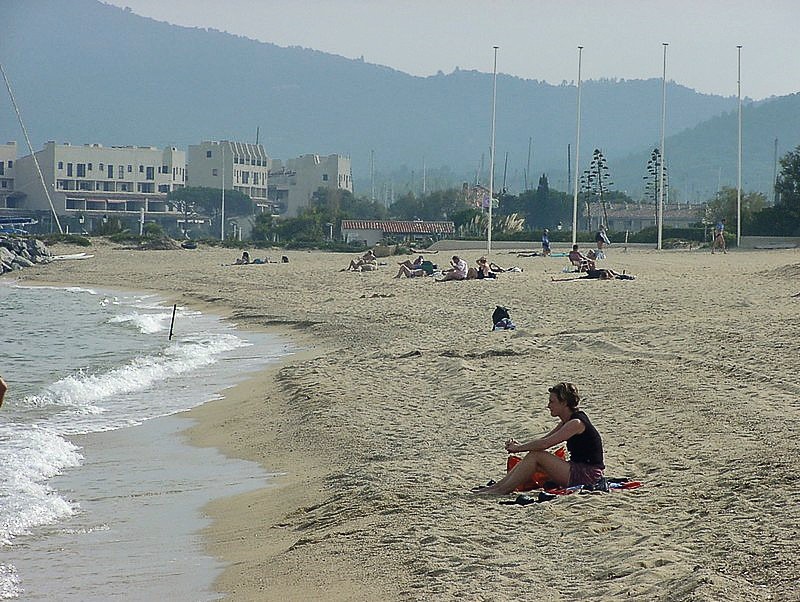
(171, 324)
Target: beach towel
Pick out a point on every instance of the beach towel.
(547, 494)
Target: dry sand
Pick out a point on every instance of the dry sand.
(404, 397)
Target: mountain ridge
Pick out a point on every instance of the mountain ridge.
(135, 80)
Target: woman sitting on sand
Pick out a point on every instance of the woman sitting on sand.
(585, 466)
(413, 265)
(367, 259)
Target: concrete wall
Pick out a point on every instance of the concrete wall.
(770, 242)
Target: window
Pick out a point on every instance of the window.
(130, 168)
(10, 164)
(81, 170)
(208, 154)
(165, 169)
(324, 177)
(100, 166)
(245, 177)
(61, 165)
(110, 171)
(163, 188)
(121, 173)
(150, 175)
(214, 172)
(69, 169)
(255, 178)
(2, 168)
(141, 169)
(4, 184)
(89, 167)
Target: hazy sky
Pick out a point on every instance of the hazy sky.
(538, 39)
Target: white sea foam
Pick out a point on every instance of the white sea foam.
(108, 364)
(28, 457)
(146, 323)
(9, 582)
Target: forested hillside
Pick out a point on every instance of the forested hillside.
(83, 71)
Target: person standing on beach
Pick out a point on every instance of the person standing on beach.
(545, 242)
(585, 466)
(719, 237)
(3, 389)
(601, 238)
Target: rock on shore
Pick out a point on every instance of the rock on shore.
(17, 253)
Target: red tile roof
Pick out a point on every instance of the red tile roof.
(392, 227)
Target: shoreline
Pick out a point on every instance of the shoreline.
(403, 398)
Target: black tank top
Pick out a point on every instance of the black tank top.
(586, 447)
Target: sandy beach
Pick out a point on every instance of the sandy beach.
(402, 398)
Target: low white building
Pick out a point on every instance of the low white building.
(371, 232)
(634, 217)
(8, 156)
(293, 183)
(237, 166)
(91, 182)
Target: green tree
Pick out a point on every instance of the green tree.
(153, 230)
(598, 180)
(724, 205)
(783, 219)
(541, 208)
(209, 200)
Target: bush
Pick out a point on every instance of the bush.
(650, 235)
(72, 239)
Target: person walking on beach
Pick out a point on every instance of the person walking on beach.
(585, 466)
(601, 238)
(545, 242)
(719, 237)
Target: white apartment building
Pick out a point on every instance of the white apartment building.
(91, 182)
(293, 184)
(8, 155)
(235, 165)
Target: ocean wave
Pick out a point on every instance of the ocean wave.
(28, 457)
(84, 391)
(146, 323)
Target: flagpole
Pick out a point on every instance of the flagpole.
(739, 172)
(222, 227)
(491, 156)
(577, 154)
(661, 166)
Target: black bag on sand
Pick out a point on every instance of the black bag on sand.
(499, 313)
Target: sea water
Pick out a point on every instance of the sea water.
(100, 496)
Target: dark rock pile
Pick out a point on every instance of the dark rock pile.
(17, 253)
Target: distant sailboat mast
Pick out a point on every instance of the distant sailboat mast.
(30, 147)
